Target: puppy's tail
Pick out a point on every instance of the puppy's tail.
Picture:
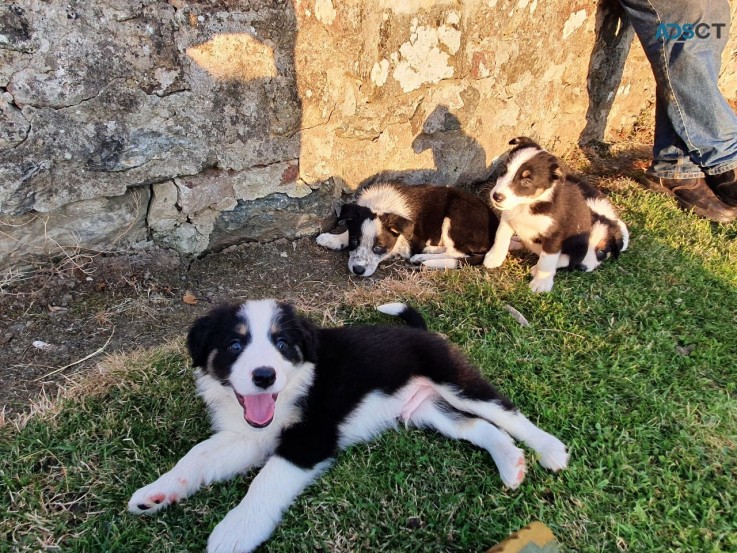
(409, 315)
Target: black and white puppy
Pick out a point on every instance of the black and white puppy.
(287, 395)
(563, 219)
(436, 226)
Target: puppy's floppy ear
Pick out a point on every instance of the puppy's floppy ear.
(347, 213)
(525, 141)
(557, 172)
(306, 330)
(396, 224)
(198, 341)
(308, 339)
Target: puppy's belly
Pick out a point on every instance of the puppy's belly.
(417, 392)
(379, 412)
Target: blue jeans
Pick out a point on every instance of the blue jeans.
(695, 129)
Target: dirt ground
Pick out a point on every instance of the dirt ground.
(57, 317)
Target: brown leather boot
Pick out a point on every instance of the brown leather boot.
(724, 186)
(694, 195)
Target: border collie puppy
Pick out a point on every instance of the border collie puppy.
(287, 396)
(437, 226)
(563, 219)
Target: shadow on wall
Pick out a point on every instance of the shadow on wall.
(613, 40)
(459, 159)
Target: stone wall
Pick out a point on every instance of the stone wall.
(199, 124)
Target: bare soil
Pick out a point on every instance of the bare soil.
(107, 304)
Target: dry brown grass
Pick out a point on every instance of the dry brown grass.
(405, 283)
(105, 374)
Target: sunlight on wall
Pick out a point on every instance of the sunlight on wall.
(234, 56)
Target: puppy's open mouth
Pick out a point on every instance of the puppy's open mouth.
(258, 409)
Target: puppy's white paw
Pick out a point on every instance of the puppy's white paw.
(553, 455)
(541, 284)
(533, 271)
(512, 467)
(441, 263)
(419, 258)
(232, 535)
(333, 241)
(494, 258)
(154, 497)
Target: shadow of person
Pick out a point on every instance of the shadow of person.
(614, 37)
(460, 161)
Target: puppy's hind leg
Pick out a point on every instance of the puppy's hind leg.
(482, 399)
(220, 457)
(509, 459)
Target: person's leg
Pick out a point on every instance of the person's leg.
(695, 129)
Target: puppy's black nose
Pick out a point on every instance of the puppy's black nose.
(498, 197)
(601, 255)
(359, 269)
(263, 377)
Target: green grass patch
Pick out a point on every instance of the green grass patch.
(633, 366)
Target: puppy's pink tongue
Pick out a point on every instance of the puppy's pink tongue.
(259, 409)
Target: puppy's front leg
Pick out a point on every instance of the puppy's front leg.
(333, 241)
(255, 518)
(544, 273)
(498, 252)
(220, 457)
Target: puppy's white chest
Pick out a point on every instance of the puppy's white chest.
(528, 226)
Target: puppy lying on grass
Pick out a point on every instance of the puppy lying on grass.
(287, 396)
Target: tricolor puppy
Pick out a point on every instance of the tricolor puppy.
(437, 226)
(287, 396)
(564, 220)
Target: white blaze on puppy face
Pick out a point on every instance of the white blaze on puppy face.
(261, 351)
(365, 258)
(598, 236)
(514, 188)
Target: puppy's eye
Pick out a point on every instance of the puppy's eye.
(601, 255)
(282, 345)
(235, 346)
(379, 250)
(353, 243)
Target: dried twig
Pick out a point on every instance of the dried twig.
(91, 355)
(519, 317)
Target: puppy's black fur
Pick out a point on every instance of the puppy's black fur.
(330, 388)
(391, 219)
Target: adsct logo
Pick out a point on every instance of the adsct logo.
(687, 31)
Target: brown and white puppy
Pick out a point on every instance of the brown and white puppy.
(436, 226)
(563, 219)
(288, 396)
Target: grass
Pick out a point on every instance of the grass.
(633, 366)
